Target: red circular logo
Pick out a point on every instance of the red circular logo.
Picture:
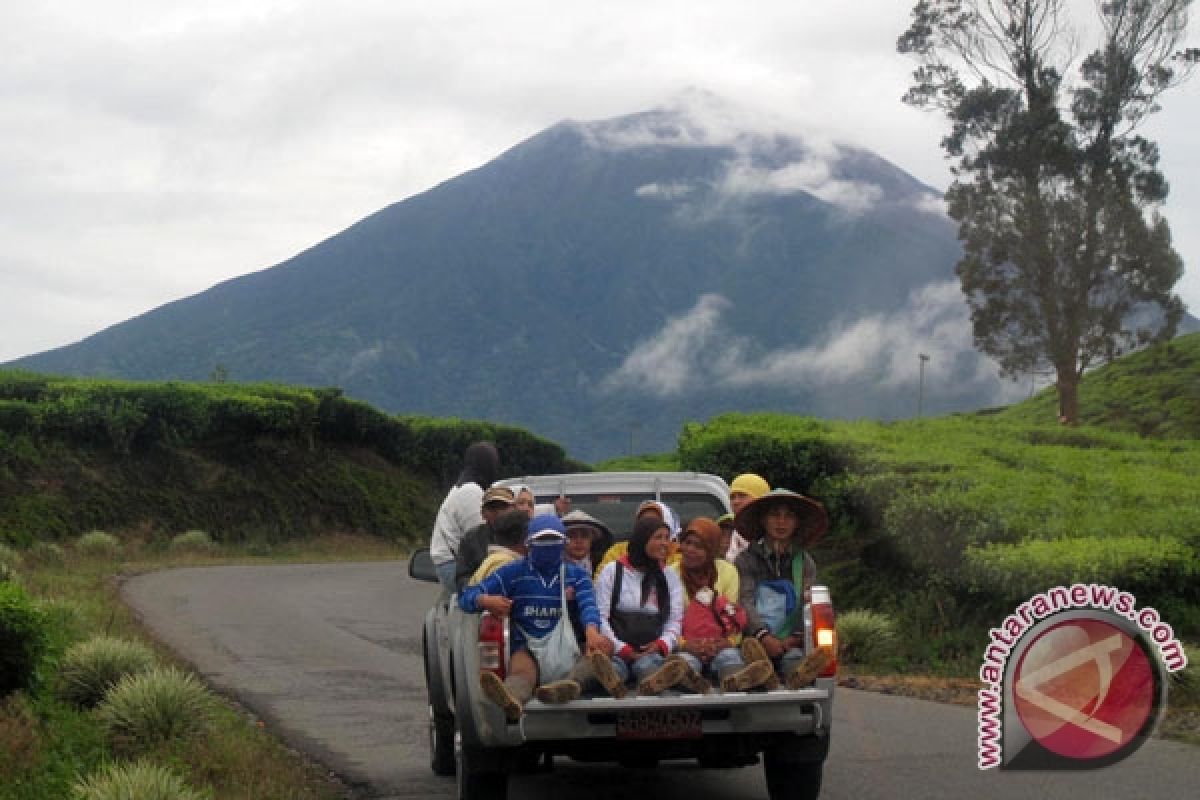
(1084, 689)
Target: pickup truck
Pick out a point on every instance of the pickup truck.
(788, 730)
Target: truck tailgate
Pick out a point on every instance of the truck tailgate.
(798, 711)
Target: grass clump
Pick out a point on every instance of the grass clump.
(98, 544)
(9, 557)
(45, 554)
(194, 541)
(89, 669)
(138, 781)
(149, 708)
(866, 638)
(23, 638)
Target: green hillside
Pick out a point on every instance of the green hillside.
(243, 462)
(1155, 392)
(948, 524)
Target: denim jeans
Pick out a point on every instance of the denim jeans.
(445, 572)
(641, 669)
(727, 660)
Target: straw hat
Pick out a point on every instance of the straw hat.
(811, 527)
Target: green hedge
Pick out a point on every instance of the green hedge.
(1153, 569)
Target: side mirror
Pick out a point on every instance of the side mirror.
(420, 566)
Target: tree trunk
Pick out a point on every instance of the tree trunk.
(1068, 396)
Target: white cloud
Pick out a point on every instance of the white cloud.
(664, 364)
(698, 350)
(811, 176)
(665, 191)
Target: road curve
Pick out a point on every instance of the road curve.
(329, 656)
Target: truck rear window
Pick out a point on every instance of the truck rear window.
(617, 510)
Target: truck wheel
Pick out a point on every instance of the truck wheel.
(788, 779)
(441, 743)
(476, 781)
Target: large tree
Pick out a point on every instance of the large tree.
(1067, 261)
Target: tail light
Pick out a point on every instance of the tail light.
(824, 627)
(493, 644)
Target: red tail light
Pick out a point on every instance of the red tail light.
(493, 644)
(824, 627)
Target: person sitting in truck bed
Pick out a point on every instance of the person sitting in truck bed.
(474, 547)
(712, 618)
(642, 609)
(775, 571)
(664, 513)
(531, 590)
(508, 543)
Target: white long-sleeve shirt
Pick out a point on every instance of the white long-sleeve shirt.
(460, 511)
(631, 600)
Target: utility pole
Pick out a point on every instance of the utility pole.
(921, 384)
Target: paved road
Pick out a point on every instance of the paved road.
(329, 656)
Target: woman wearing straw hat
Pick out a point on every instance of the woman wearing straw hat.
(776, 570)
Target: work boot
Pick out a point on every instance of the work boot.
(756, 673)
(804, 673)
(692, 680)
(495, 690)
(558, 692)
(752, 651)
(670, 673)
(606, 674)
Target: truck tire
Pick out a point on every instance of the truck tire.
(441, 743)
(788, 779)
(477, 779)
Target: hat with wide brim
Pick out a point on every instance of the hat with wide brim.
(582, 519)
(813, 521)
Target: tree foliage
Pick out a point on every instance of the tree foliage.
(1067, 259)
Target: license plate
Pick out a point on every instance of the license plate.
(659, 724)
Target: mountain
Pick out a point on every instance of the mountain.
(600, 284)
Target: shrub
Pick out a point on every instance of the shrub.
(89, 669)
(22, 638)
(193, 542)
(138, 781)
(98, 544)
(867, 638)
(9, 557)
(155, 706)
(9, 574)
(45, 554)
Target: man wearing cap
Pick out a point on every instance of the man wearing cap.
(745, 489)
(531, 591)
(473, 548)
(775, 572)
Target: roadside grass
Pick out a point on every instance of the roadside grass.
(48, 745)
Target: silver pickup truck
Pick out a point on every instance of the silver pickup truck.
(469, 736)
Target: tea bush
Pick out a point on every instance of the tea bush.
(23, 638)
(89, 669)
(160, 705)
(142, 780)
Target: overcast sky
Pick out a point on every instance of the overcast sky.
(150, 149)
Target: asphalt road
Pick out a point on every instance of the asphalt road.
(329, 656)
